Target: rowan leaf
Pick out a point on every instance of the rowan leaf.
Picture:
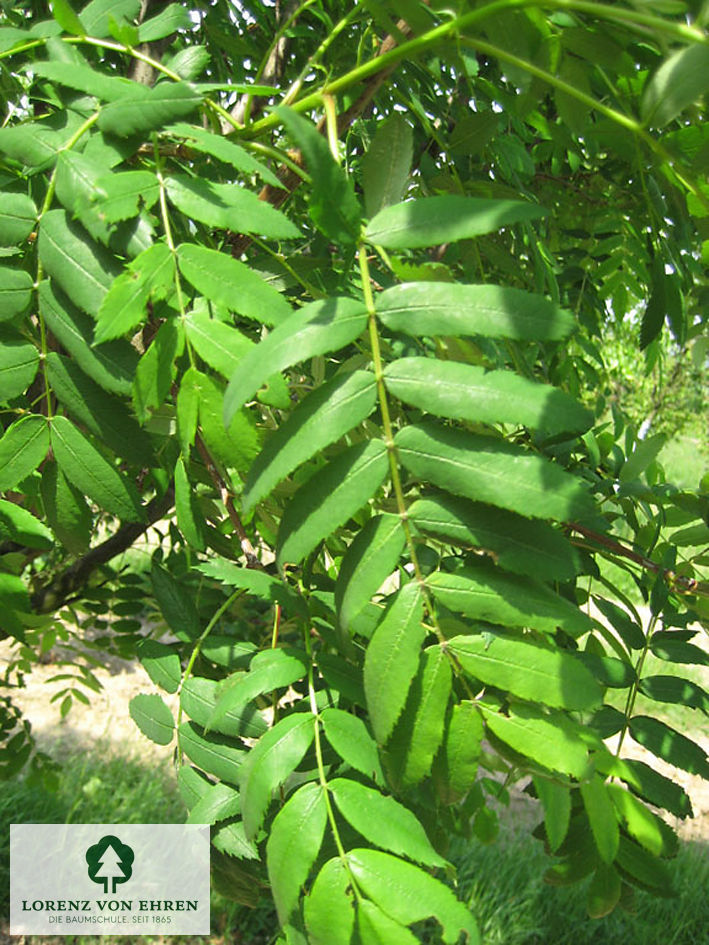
(350, 738)
(19, 361)
(315, 329)
(18, 218)
(19, 525)
(147, 108)
(329, 498)
(231, 283)
(429, 221)
(543, 737)
(15, 292)
(369, 560)
(556, 801)
(319, 420)
(680, 81)
(493, 471)
(23, 446)
(176, 604)
(268, 764)
(392, 659)
(188, 517)
(438, 308)
(328, 908)
(468, 392)
(153, 718)
(666, 743)
(219, 802)
(224, 150)
(407, 894)
(161, 663)
(66, 510)
(293, 845)
(198, 697)
(385, 166)
(215, 754)
(484, 592)
(602, 817)
(383, 821)
(516, 543)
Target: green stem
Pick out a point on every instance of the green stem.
(195, 653)
(322, 776)
(278, 155)
(633, 693)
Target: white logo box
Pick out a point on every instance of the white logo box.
(113, 879)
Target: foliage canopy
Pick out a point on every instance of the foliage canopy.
(317, 297)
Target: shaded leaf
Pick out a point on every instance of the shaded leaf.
(213, 753)
(19, 525)
(385, 166)
(666, 743)
(176, 604)
(429, 221)
(329, 498)
(22, 448)
(65, 509)
(680, 81)
(161, 663)
(556, 801)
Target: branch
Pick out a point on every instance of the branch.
(62, 587)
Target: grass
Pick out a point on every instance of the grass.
(503, 882)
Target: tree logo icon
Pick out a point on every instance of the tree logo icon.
(110, 862)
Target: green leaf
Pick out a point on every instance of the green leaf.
(542, 737)
(174, 17)
(603, 892)
(64, 14)
(270, 670)
(22, 448)
(445, 219)
(649, 871)
(120, 195)
(213, 753)
(146, 109)
(236, 447)
(82, 268)
(153, 718)
(154, 374)
(677, 651)
(527, 670)
(219, 802)
(385, 166)
(31, 143)
(350, 738)
(18, 217)
(231, 283)
(383, 821)
(227, 652)
(293, 844)
(124, 307)
(493, 471)
(664, 742)
(224, 150)
(190, 62)
(456, 764)
(111, 365)
(317, 328)
(96, 15)
(87, 469)
(103, 415)
(643, 825)
(515, 543)
(680, 81)
(176, 604)
(329, 916)
(467, 392)
(392, 659)
(644, 453)
(219, 344)
(676, 690)
(161, 663)
(630, 633)
(375, 927)
(369, 560)
(66, 510)
(556, 801)
(188, 516)
(228, 207)
(258, 583)
(198, 697)
(654, 787)
(319, 420)
(188, 409)
(19, 361)
(485, 592)
(419, 732)
(407, 894)
(82, 78)
(438, 308)
(329, 498)
(602, 817)
(268, 764)
(15, 292)
(17, 524)
(334, 208)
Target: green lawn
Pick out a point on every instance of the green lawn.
(502, 882)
